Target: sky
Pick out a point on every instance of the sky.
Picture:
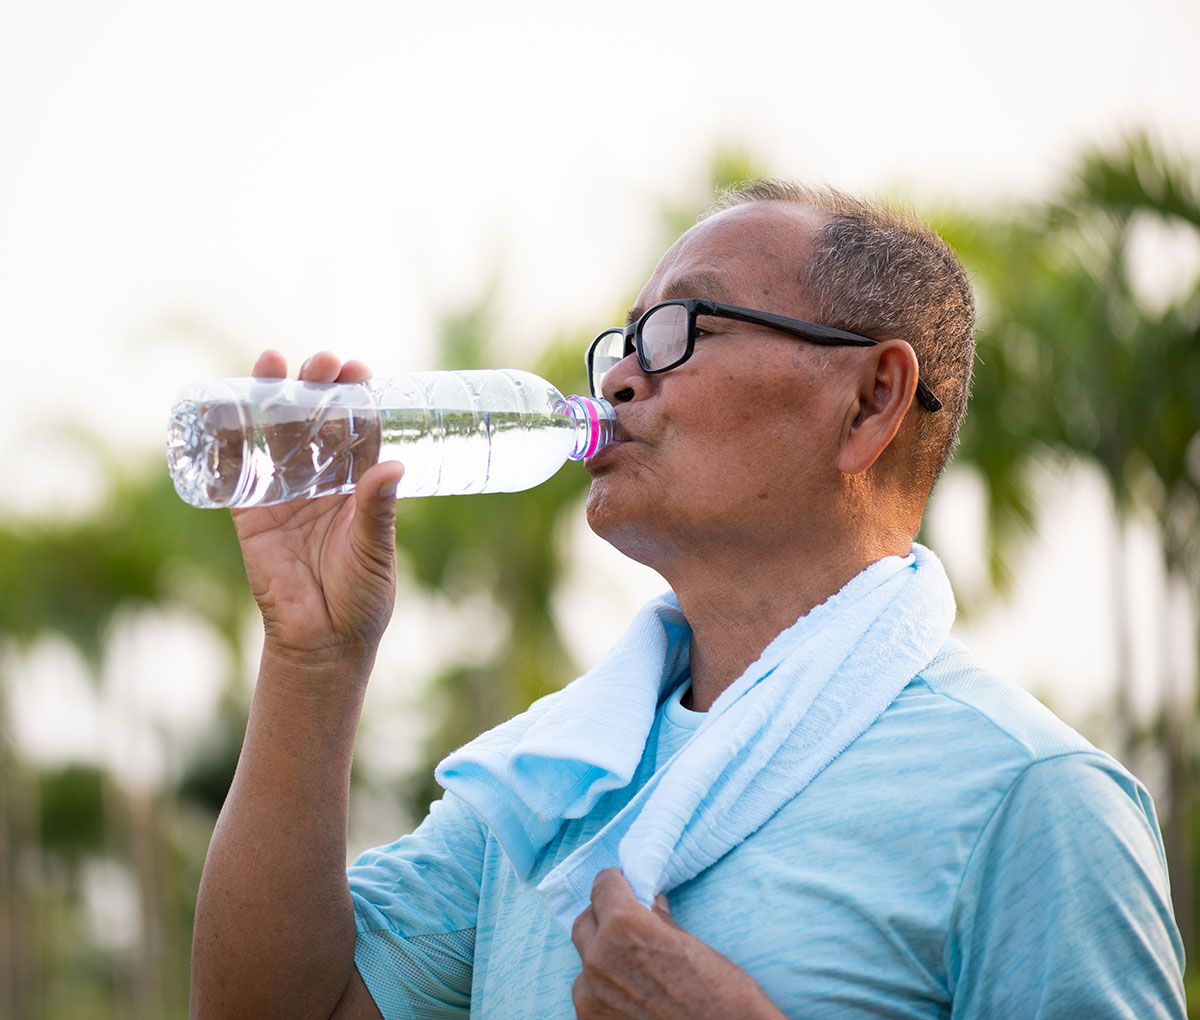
(184, 184)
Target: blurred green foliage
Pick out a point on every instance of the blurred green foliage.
(1086, 356)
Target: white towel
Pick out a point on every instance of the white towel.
(814, 689)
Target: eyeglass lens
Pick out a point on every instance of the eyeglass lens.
(609, 349)
(664, 336)
(663, 342)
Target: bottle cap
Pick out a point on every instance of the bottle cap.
(595, 418)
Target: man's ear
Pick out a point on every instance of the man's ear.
(887, 386)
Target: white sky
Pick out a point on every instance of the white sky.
(304, 175)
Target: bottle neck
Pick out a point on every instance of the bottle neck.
(594, 420)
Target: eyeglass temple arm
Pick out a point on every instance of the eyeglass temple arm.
(811, 331)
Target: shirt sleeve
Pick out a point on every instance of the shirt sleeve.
(416, 902)
(1064, 909)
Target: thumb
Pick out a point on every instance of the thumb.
(378, 486)
(375, 503)
(662, 909)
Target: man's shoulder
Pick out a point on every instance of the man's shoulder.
(959, 733)
(963, 696)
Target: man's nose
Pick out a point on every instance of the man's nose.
(625, 381)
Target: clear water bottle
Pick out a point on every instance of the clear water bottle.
(256, 442)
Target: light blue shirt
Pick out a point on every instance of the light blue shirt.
(969, 856)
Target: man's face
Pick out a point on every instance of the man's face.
(736, 447)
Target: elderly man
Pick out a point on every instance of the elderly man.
(786, 791)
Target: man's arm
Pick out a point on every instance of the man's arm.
(274, 933)
(1064, 910)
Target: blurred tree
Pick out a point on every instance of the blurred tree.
(73, 578)
(1085, 356)
(504, 545)
(500, 546)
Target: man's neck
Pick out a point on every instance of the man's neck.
(737, 608)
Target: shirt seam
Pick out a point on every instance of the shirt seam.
(1006, 733)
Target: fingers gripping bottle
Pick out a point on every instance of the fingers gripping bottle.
(257, 442)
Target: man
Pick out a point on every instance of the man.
(784, 793)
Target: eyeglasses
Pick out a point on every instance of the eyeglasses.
(665, 337)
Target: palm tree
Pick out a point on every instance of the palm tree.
(513, 532)
(1079, 362)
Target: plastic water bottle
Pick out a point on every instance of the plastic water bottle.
(256, 442)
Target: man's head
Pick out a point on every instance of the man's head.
(761, 438)
(879, 272)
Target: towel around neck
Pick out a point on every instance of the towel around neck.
(814, 689)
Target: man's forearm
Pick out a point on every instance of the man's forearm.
(274, 932)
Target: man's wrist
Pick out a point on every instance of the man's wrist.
(317, 672)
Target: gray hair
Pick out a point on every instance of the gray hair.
(880, 272)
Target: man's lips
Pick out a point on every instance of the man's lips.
(620, 436)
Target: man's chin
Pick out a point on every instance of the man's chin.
(622, 525)
(598, 508)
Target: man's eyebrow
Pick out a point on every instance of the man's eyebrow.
(693, 285)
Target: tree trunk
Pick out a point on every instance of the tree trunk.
(1179, 709)
(1126, 725)
(20, 940)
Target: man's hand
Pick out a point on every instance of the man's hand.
(639, 963)
(274, 932)
(323, 570)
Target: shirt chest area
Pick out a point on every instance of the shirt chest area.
(840, 905)
(822, 907)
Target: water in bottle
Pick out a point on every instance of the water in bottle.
(256, 442)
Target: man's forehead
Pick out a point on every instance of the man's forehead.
(722, 258)
(695, 283)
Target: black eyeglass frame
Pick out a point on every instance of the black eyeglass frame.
(827, 336)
